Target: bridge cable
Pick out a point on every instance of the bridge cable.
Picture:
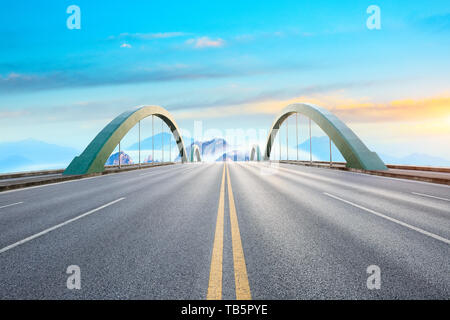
(331, 158)
(119, 156)
(296, 131)
(162, 141)
(279, 141)
(153, 140)
(310, 143)
(139, 143)
(287, 138)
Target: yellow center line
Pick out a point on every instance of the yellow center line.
(215, 274)
(240, 269)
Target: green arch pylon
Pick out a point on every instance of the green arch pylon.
(354, 151)
(255, 152)
(195, 151)
(94, 157)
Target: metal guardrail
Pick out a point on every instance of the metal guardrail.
(419, 168)
(145, 165)
(29, 173)
(390, 166)
(45, 176)
(24, 174)
(323, 164)
(419, 173)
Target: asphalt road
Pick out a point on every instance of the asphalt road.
(190, 232)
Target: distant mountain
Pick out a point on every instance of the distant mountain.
(148, 159)
(321, 149)
(209, 150)
(113, 159)
(30, 154)
(234, 155)
(417, 159)
(146, 144)
(14, 163)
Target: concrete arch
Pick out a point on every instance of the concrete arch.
(354, 151)
(195, 151)
(94, 157)
(255, 152)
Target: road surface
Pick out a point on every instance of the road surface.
(198, 231)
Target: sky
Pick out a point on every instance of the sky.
(228, 65)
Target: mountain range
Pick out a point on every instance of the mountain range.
(146, 144)
(321, 150)
(114, 159)
(234, 155)
(31, 154)
(209, 150)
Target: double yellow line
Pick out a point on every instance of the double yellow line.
(240, 269)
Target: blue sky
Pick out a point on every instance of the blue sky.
(231, 64)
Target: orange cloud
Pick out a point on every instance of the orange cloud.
(364, 111)
(347, 109)
(397, 110)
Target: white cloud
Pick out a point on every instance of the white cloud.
(206, 42)
(149, 36)
(162, 35)
(125, 45)
(15, 76)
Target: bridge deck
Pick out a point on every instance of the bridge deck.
(299, 232)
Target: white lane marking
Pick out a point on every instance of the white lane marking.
(18, 243)
(10, 205)
(392, 193)
(430, 196)
(432, 235)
